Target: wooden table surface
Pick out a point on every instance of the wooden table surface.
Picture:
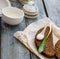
(13, 49)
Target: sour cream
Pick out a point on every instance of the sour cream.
(40, 36)
(12, 15)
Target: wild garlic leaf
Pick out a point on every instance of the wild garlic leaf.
(42, 45)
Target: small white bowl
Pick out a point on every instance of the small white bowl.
(12, 15)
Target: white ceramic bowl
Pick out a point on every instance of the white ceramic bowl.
(12, 15)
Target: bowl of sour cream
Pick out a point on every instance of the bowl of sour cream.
(12, 15)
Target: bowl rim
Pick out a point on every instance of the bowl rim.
(35, 10)
(8, 4)
(19, 10)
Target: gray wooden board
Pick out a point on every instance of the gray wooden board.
(13, 0)
(41, 14)
(10, 47)
(53, 9)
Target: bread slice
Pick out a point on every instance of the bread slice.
(49, 48)
(57, 49)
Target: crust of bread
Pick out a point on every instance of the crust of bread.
(57, 49)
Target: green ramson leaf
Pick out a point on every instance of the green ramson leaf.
(42, 45)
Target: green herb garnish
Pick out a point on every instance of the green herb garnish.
(42, 45)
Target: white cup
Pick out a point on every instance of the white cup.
(12, 15)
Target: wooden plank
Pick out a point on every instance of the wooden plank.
(10, 47)
(53, 9)
(13, 0)
(16, 4)
(41, 14)
(0, 37)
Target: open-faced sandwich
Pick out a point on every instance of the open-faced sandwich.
(42, 38)
(45, 44)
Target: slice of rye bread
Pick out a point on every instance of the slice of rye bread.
(49, 50)
(57, 49)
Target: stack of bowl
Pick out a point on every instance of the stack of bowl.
(30, 11)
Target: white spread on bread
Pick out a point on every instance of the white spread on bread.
(40, 36)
